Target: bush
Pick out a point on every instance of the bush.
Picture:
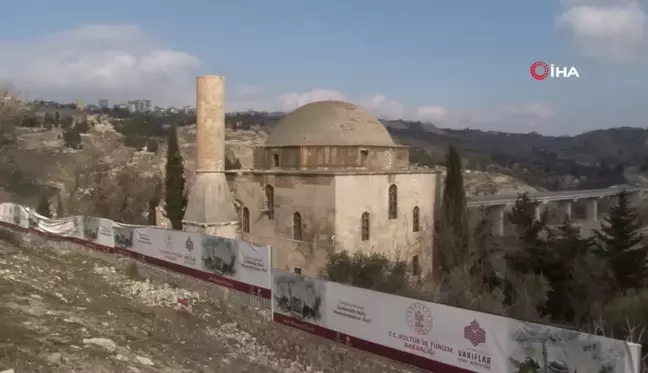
(82, 126)
(152, 145)
(369, 271)
(43, 207)
(72, 139)
(10, 237)
(134, 141)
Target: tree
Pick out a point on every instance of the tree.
(82, 126)
(369, 271)
(152, 145)
(452, 237)
(621, 243)
(60, 211)
(10, 109)
(527, 222)
(30, 121)
(119, 191)
(43, 207)
(484, 255)
(48, 120)
(154, 202)
(566, 249)
(531, 256)
(72, 139)
(175, 196)
(67, 122)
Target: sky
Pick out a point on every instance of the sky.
(456, 64)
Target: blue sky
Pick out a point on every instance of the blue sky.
(455, 63)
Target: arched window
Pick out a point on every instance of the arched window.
(365, 226)
(416, 225)
(297, 227)
(416, 266)
(269, 192)
(393, 201)
(245, 220)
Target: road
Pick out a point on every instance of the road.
(502, 199)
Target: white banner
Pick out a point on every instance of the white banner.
(4, 212)
(124, 235)
(97, 230)
(178, 247)
(447, 338)
(563, 350)
(142, 242)
(62, 227)
(18, 216)
(237, 260)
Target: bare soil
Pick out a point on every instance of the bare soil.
(63, 311)
(74, 310)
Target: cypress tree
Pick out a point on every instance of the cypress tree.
(175, 196)
(620, 242)
(59, 207)
(452, 238)
(43, 207)
(566, 247)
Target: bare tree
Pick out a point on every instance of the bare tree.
(10, 109)
(460, 288)
(120, 192)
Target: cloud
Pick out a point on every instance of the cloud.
(291, 101)
(433, 114)
(122, 62)
(611, 29)
(383, 107)
(526, 117)
(118, 62)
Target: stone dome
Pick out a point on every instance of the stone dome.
(329, 123)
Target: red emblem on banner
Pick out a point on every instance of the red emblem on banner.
(474, 333)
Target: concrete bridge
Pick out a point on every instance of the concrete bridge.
(560, 203)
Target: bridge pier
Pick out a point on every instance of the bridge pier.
(591, 209)
(540, 209)
(566, 209)
(497, 217)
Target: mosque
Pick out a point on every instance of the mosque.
(328, 178)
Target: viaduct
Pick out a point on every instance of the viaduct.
(562, 202)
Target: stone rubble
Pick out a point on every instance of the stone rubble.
(149, 293)
(154, 295)
(51, 297)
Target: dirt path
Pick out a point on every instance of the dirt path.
(68, 311)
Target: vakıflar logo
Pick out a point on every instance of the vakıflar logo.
(540, 70)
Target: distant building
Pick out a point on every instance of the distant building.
(80, 105)
(146, 105)
(139, 105)
(103, 103)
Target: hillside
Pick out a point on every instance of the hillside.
(595, 159)
(38, 159)
(66, 309)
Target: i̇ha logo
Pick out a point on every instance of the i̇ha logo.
(189, 244)
(419, 318)
(474, 333)
(541, 71)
